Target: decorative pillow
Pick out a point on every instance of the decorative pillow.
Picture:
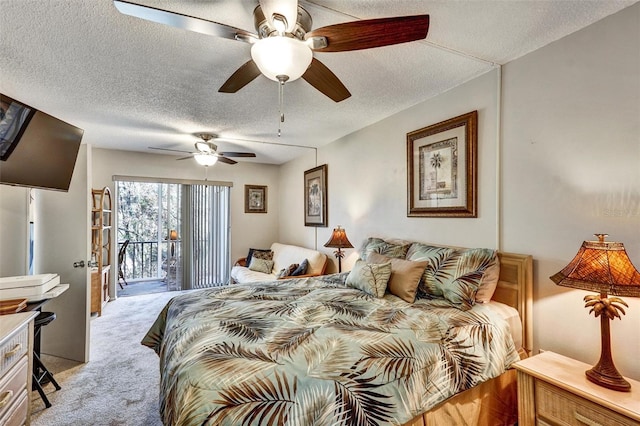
(266, 254)
(285, 272)
(434, 256)
(370, 277)
(386, 248)
(405, 275)
(301, 269)
(454, 274)
(261, 265)
(489, 281)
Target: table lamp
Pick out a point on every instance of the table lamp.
(339, 240)
(173, 236)
(603, 267)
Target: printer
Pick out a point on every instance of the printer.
(31, 287)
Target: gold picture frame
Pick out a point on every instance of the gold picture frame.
(442, 168)
(315, 196)
(255, 199)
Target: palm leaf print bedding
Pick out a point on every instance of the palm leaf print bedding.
(314, 352)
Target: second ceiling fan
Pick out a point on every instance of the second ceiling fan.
(283, 47)
(206, 153)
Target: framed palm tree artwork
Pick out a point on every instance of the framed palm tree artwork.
(442, 168)
(315, 196)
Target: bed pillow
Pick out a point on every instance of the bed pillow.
(489, 281)
(285, 272)
(387, 248)
(434, 256)
(261, 265)
(301, 269)
(266, 254)
(455, 275)
(370, 277)
(405, 275)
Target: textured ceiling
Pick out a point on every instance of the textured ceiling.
(131, 84)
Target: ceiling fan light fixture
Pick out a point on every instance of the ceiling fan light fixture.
(206, 159)
(205, 147)
(278, 56)
(279, 23)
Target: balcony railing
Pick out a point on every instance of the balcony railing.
(141, 260)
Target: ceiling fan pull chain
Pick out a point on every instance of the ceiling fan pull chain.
(281, 79)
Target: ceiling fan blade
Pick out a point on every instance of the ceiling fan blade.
(185, 22)
(243, 76)
(323, 79)
(237, 154)
(226, 160)
(172, 150)
(286, 8)
(370, 33)
(185, 158)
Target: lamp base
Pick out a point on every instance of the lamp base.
(609, 379)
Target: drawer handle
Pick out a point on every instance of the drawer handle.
(6, 398)
(587, 421)
(13, 351)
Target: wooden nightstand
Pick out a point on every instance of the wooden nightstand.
(553, 390)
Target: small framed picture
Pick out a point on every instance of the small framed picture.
(14, 118)
(255, 199)
(442, 168)
(315, 196)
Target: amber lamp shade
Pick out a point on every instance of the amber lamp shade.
(339, 240)
(603, 267)
(173, 236)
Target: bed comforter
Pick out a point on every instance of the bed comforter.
(315, 352)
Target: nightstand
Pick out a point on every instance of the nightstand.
(553, 390)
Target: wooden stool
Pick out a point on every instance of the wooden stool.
(42, 376)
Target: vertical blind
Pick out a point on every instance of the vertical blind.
(206, 227)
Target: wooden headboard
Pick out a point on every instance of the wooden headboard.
(515, 288)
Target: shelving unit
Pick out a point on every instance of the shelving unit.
(100, 247)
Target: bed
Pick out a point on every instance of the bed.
(316, 351)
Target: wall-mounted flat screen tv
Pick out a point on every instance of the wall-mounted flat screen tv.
(44, 155)
(14, 118)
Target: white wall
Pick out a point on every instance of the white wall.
(247, 229)
(570, 167)
(14, 223)
(367, 178)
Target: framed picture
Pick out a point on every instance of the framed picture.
(442, 168)
(315, 196)
(255, 199)
(14, 118)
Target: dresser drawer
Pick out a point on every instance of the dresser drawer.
(12, 383)
(18, 413)
(13, 349)
(556, 406)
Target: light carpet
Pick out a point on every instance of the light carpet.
(119, 385)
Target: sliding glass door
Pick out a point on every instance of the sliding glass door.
(178, 233)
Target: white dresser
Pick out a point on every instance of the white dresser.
(16, 354)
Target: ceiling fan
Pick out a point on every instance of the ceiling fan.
(206, 153)
(283, 47)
